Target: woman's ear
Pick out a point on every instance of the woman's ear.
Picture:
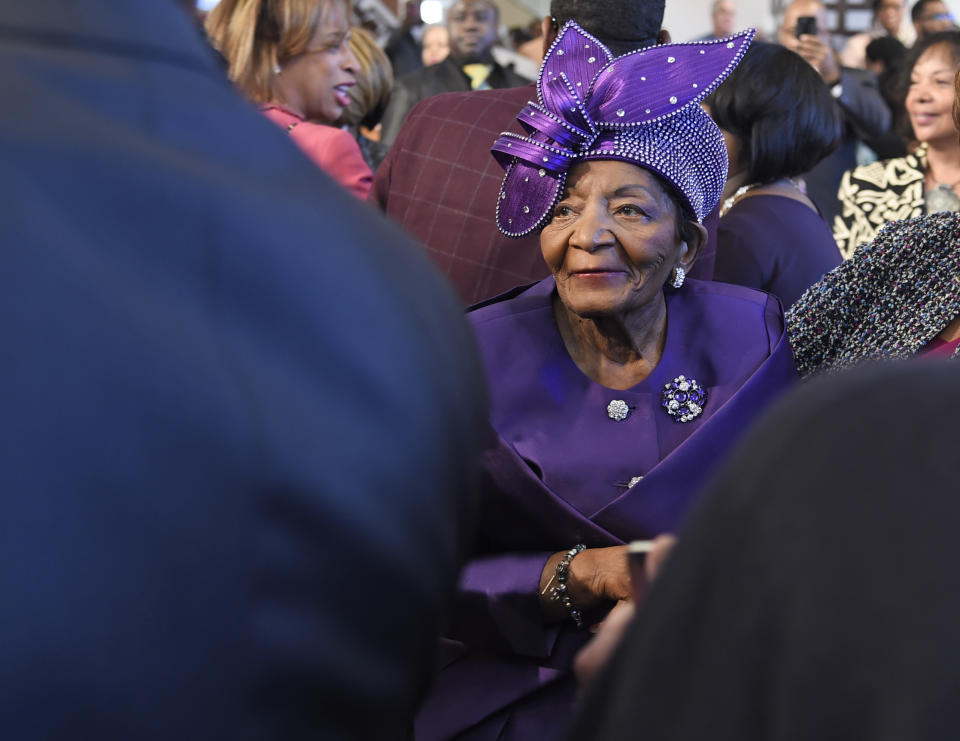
(691, 249)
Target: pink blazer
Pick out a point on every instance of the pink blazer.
(333, 150)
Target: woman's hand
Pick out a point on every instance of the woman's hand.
(595, 576)
(595, 655)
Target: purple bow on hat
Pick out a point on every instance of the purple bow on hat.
(641, 108)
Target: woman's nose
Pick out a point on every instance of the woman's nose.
(593, 230)
(350, 62)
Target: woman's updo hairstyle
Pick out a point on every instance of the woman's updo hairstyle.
(780, 111)
(256, 36)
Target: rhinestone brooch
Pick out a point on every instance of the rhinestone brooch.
(683, 399)
(617, 410)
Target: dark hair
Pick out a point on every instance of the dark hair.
(780, 111)
(917, 10)
(950, 40)
(622, 25)
(886, 49)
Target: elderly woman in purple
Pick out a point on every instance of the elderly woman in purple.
(616, 386)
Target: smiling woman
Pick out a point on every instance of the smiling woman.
(616, 385)
(928, 179)
(293, 57)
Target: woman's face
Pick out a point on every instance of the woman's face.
(436, 45)
(612, 242)
(317, 81)
(930, 96)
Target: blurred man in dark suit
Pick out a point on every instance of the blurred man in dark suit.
(240, 417)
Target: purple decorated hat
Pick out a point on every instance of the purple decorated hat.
(641, 108)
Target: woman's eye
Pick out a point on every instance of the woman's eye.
(630, 210)
(563, 211)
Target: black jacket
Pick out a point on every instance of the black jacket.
(446, 77)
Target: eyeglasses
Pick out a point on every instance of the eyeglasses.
(939, 17)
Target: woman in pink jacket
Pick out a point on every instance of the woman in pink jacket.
(293, 57)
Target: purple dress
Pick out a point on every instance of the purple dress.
(775, 244)
(559, 473)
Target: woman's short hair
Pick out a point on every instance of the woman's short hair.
(780, 111)
(255, 36)
(374, 76)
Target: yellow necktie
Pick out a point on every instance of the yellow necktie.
(478, 74)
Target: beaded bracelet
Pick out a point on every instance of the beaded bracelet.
(562, 574)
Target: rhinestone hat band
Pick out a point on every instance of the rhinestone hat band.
(641, 108)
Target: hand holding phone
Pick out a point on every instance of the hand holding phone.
(637, 552)
(806, 26)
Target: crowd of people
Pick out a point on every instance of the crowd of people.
(344, 369)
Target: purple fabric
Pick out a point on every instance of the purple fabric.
(513, 681)
(641, 108)
(774, 244)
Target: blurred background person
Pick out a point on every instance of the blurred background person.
(886, 58)
(293, 58)
(368, 98)
(473, 27)
(436, 44)
(889, 20)
(865, 114)
(533, 49)
(230, 449)
(930, 17)
(928, 179)
(723, 15)
(403, 46)
(778, 120)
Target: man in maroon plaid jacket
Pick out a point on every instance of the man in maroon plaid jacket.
(440, 182)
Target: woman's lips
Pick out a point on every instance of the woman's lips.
(925, 119)
(598, 274)
(342, 94)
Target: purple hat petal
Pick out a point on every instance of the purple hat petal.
(576, 54)
(658, 82)
(560, 97)
(527, 197)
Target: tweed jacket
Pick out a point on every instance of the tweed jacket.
(872, 195)
(888, 301)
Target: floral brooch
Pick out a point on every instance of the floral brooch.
(683, 399)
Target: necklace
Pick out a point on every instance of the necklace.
(731, 201)
(940, 197)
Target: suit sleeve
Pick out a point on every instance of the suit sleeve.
(402, 99)
(863, 106)
(498, 605)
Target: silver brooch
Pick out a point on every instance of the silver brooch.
(617, 410)
(683, 399)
